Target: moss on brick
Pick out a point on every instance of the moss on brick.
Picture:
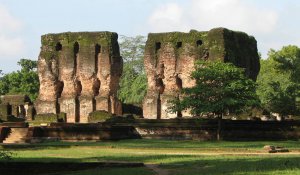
(47, 118)
(221, 44)
(99, 116)
(67, 40)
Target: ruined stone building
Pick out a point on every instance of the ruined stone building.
(19, 106)
(79, 73)
(170, 57)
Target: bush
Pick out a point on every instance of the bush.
(48, 118)
(62, 117)
(99, 116)
(6, 155)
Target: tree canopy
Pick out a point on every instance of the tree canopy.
(220, 88)
(279, 82)
(133, 83)
(24, 81)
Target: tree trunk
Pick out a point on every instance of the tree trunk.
(219, 128)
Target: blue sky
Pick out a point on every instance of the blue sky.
(274, 23)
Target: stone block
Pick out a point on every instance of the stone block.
(70, 106)
(87, 104)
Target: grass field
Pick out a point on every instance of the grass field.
(169, 157)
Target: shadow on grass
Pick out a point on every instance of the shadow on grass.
(64, 165)
(230, 166)
(213, 165)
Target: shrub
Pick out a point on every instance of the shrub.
(6, 155)
(99, 116)
(48, 118)
(62, 117)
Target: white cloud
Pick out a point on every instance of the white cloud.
(248, 16)
(207, 14)
(10, 46)
(167, 17)
(10, 43)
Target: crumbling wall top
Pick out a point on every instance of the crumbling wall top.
(66, 40)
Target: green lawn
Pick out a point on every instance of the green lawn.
(176, 157)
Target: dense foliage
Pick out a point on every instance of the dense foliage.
(24, 81)
(133, 83)
(279, 82)
(220, 88)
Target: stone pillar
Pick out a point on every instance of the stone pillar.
(69, 105)
(67, 70)
(150, 105)
(103, 103)
(86, 107)
(30, 113)
(4, 111)
(15, 110)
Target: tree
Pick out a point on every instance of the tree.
(24, 81)
(288, 59)
(220, 88)
(269, 74)
(133, 83)
(279, 81)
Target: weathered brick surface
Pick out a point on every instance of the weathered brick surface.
(77, 69)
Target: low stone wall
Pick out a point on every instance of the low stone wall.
(14, 124)
(80, 132)
(199, 129)
(178, 129)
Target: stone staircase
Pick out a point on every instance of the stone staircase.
(16, 135)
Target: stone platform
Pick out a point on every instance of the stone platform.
(176, 129)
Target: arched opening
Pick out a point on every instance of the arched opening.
(160, 85)
(205, 54)
(157, 46)
(9, 109)
(21, 111)
(178, 45)
(59, 88)
(97, 52)
(94, 104)
(78, 87)
(199, 43)
(76, 51)
(77, 110)
(158, 107)
(58, 46)
(57, 106)
(178, 82)
(76, 48)
(96, 87)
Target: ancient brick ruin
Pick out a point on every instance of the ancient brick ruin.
(16, 106)
(170, 57)
(79, 73)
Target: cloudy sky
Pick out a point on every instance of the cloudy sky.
(274, 23)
